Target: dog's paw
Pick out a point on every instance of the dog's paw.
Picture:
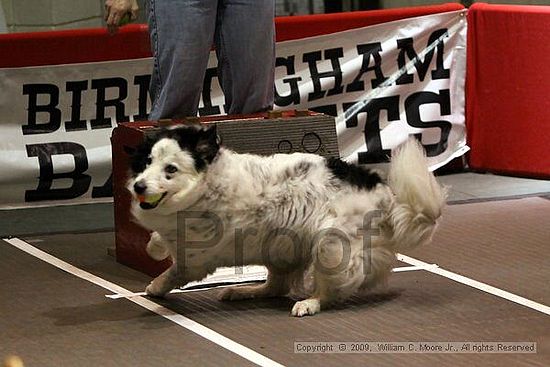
(154, 290)
(306, 307)
(156, 249)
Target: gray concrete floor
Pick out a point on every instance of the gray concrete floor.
(477, 187)
(99, 217)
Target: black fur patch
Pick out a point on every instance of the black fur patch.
(139, 158)
(357, 176)
(198, 140)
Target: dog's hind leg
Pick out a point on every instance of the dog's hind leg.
(276, 285)
(332, 282)
(328, 290)
(323, 295)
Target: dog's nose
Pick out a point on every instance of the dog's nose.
(140, 187)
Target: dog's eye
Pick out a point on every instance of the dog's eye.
(170, 169)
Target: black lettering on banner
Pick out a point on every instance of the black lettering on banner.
(412, 109)
(334, 54)
(368, 50)
(330, 109)
(375, 152)
(104, 191)
(76, 88)
(101, 85)
(209, 108)
(54, 122)
(143, 82)
(294, 96)
(406, 48)
(44, 152)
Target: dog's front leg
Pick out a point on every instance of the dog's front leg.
(164, 283)
(157, 248)
(176, 276)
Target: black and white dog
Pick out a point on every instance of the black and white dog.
(322, 227)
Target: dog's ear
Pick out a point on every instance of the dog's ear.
(208, 143)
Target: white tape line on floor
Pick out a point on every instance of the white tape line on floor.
(175, 291)
(478, 285)
(181, 320)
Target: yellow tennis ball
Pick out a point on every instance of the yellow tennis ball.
(152, 198)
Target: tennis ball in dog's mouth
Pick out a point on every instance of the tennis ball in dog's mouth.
(150, 199)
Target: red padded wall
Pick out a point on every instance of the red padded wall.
(508, 89)
(73, 46)
(296, 27)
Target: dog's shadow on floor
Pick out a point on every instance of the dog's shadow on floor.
(370, 300)
(204, 307)
(205, 304)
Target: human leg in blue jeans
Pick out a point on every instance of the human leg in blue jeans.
(182, 33)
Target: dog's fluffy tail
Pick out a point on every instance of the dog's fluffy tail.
(419, 198)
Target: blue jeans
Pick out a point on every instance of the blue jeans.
(182, 34)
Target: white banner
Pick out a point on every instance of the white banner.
(384, 83)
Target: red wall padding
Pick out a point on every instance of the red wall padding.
(314, 25)
(508, 89)
(90, 45)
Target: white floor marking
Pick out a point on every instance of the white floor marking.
(414, 268)
(181, 320)
(478, 285)
(224, 342)
(175, 291)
